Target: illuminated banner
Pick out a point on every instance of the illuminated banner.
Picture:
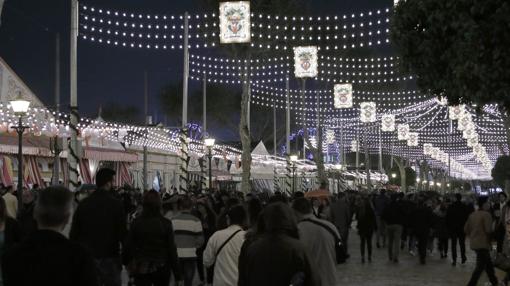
(330, 136)
(235, 25)
(456, 112)
(305, 62)
(368, 112)
(343, 95)
(388, 123)
(412, 139)
(427, 148)
(403, 131)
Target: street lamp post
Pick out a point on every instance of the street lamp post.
(20, 108)
(209, 143)
(293, 159)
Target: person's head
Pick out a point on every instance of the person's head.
(105, 178)
(237, 215)
(28, 197)
(302, 206)
(279, 219)
(53, 208)
(299, 194)
(502, 197)
(458, 197)
(184, 203)
(382, 192)
(151, 204)
(483, 203)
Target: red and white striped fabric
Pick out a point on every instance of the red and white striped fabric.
(33, 172)
(65, 172)
(86, 177)
(123, 176)
(6, 170)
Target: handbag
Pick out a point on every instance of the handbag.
(340, 251)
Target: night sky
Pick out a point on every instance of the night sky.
(106, 74)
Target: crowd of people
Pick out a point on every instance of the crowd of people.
(230, 238)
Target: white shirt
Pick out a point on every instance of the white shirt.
(226, 267)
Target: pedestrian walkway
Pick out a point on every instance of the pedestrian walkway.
(381, 272)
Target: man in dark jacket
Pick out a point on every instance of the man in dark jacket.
(47, 257)
(456, 217)
(99, 224)
(422, 222)
(393, 217)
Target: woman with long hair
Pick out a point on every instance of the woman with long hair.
(276, 256)
(150, 250)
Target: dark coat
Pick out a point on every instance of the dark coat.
(423, 220)
(393, 214)
(273, 260)
(456, 217)
(48, 258)
(13, 233)
(26, 220)
(367, 223)
(99, 224)
(151, 240)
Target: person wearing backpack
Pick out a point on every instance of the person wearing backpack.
(224, 246)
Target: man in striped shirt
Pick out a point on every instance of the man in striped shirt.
(188, 237)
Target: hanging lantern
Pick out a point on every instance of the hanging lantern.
(235, 24)
(368, 112)
(305, 62)
(403, 131)
(427, 149)
(343, 95)
(412, 139)
(354, 146)
(456, 111)
(330, 136)
(388, 123)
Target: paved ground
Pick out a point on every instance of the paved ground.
(381, 272)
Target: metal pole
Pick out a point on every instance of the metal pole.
(20, 130)
(287, 119)
(342, 150)
(210, 168)
(303, 86)
(73, 156)
(450, 131)
(56, 157)
(380, 152)
(145, 182)
(248, 110)
(204, 104)
(274, 126)
(185, 73)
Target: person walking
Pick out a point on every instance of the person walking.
(440, 229)
(189, 236)
(150, 252)
(26, 219)
(47, 257)
(319, 238)
(99, 224)
(393, 217)
(10, 232)
(11, 202)
(422, 222)
(478, 228)
(367, 224)
(340, 215)
(381, 201)
(276, 256)
(456, 217)
(224, 247)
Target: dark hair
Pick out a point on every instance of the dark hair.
(184, 203)
(237, 215)
(458, 197)
(53, 206)
(302, 206)
(299, 194)
(104, 176)
(279, 219)
(151, 204)
(482, 200)
(254, 209)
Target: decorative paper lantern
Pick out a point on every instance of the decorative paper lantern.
(343, 95)
(403, 131)
(412, 139)
(235, 24)
(330, 136)
(368, 112)
(305, 62)
(388, 123)
(427, 148)
(354, 146)
(456, 112)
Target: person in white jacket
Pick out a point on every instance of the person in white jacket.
(224, 247)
